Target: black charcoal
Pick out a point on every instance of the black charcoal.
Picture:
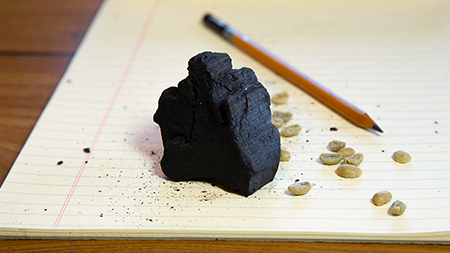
(216, 127)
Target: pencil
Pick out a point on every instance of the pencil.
(316, 90)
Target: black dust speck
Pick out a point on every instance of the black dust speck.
(59, 162)
(333, 129)
(87, 150)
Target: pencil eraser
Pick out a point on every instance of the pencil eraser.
(216, 127)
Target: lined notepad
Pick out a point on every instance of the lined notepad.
(390, 58)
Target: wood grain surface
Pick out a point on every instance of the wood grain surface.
(209, 246)
(37, 41)
(44, 26)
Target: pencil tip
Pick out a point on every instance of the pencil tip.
(377, 128)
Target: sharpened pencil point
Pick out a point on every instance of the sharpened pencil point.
(377, 128)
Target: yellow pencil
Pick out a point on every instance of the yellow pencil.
(339, 105)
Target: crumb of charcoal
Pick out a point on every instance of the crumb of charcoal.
(85, 161)
(382, 150)
(101, 215)
(153, 152)
(59, 162)
(45, 209)
(333, 129)
(87, 150)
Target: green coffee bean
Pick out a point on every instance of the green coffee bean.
(277, 122)
(280, 98)
(346, 152)
(285, 116)
(285, 155)
(355, 159)
(397, 208)
(330, 158)
(291, 130)
(348, 171)
(382, 197)
(335, 145)
(401, 156)
(300, 188)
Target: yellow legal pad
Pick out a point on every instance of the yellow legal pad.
(391, 58)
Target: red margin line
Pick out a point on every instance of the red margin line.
(108, 111)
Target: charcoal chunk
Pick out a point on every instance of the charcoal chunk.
(216, 127)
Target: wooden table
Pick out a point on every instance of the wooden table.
(37, 40)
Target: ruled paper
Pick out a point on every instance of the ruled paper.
(390, 58)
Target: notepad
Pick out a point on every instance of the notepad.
(389, 58)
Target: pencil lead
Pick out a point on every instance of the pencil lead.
(377, 128)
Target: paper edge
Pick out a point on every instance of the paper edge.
(146, 234)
